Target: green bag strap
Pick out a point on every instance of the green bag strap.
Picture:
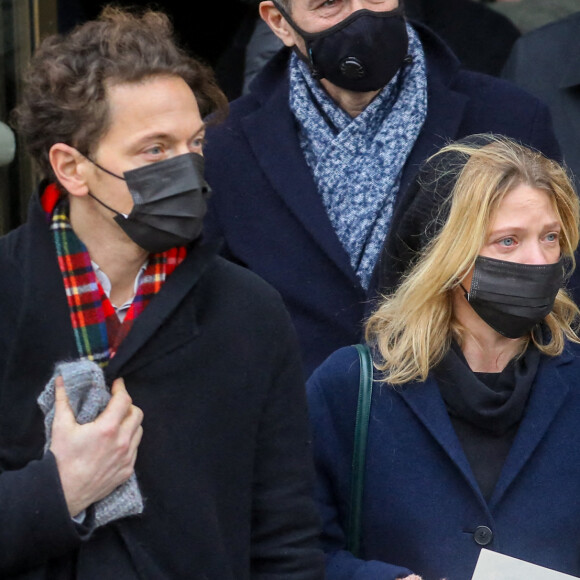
(365, 391)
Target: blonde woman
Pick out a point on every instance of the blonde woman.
(474, 433)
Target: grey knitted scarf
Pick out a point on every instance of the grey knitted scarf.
(357, 163)
(88, 396)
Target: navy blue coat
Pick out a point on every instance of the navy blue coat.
(267, 207)
(421, 503)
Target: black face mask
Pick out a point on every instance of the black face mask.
(512, 298)
(169, 202)
(362, 53)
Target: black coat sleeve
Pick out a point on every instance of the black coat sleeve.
(36, 525)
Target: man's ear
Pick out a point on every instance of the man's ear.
(274, 19)
(70, 168)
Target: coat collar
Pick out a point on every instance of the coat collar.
(552, 384)
(176, 329)
(44, 287)
(42, 335)
(427, 404)
(571, 74)
(566, 30)
(42, 272)
(272, 134)
(548, 394)
(277, 150)
(445, 109)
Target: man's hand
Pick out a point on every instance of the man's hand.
(95, 458)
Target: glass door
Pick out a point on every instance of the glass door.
(22, 24)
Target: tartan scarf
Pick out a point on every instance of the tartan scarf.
(97, 329)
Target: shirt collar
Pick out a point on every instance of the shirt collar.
(106, 285)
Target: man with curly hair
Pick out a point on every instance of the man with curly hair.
(152, 417)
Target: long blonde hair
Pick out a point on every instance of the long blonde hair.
(413, 328)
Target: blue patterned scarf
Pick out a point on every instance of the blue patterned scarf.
(358, 170)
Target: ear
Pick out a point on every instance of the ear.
(70, 168)
(274, 19)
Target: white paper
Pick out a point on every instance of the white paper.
(494, 566)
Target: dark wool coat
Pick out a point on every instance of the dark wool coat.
(422, 508)
(224, 464)
(546, 62)
(480, 37)
(267, 207)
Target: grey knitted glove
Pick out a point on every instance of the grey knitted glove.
(88, 396)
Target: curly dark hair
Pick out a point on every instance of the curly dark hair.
(64, 99)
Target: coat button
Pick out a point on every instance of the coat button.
(483, 535)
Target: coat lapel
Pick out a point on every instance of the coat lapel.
(41, 337)
(565, 106)
(44, 286)
(426, 402)
(445, 111)
(571, 75)
(272, 134)
(548, 394)
(155, 320)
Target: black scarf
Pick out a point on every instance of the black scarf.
(486, 408)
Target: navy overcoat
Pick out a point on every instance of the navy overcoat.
(422, 508)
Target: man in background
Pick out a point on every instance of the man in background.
(546, 62)
(311, 170)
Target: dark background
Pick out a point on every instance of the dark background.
(205, 27)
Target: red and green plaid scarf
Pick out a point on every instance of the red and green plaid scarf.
(97, 329)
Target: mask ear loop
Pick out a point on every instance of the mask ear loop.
(105, 170)
(466, 293)
(303, 34)
(123, 215)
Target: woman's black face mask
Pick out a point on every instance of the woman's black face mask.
(511, 297)
(170, 201)
(362, 53)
